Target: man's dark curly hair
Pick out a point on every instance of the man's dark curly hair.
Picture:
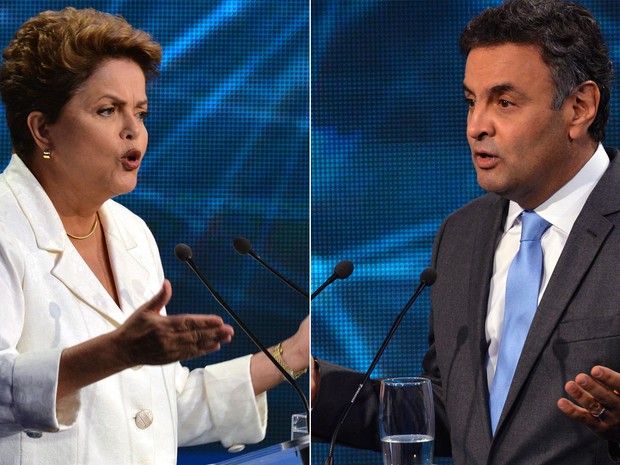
(568, 36)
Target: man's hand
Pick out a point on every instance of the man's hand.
(596, 402)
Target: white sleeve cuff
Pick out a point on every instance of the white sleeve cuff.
(227, 411)
(35, 383)
(239, 416)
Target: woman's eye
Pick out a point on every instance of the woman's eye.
(106, 111)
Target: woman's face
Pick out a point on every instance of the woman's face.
(99, 139)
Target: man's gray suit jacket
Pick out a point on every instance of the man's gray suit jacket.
(576, 326)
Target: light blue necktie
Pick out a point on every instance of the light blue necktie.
(522, 288)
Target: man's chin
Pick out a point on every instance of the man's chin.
(490, 183)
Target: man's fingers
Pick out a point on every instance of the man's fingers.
(607, 377)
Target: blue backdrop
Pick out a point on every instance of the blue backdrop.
(228, 157)
(390, 160)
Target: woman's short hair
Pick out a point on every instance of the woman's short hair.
(53, 53)
(569, 38)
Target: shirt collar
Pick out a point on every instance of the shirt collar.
(563, 207)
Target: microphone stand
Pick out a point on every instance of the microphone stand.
(427, 278)
(243, 326)
(244, 247)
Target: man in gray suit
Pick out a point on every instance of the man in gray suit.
(537, 83)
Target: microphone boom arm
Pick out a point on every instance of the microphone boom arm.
(249, 333)
(427, 278)
(290, 283)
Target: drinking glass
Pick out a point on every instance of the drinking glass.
(407, 421)
(299, 425)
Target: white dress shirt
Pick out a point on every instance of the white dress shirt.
(561, 210)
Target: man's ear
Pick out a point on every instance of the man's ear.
(37, 124)
(585, 101)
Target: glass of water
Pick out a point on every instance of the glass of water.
(407, 421)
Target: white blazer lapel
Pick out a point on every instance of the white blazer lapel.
(131, 277)
(50, 236)
(77, 276)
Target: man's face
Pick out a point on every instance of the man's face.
(520, 146)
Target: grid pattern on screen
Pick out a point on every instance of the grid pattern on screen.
(389, 161)
(228, 157)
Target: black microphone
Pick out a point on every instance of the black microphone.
(244, 247)
(184, 253)
(342, 270)
(427, 279)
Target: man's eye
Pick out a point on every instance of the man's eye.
(470, 102)
(505, 103)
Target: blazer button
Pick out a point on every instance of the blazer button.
(143, 418)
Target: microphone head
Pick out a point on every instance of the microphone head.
(428, 276)
(242, 245)
(183, 252)
(343, 269)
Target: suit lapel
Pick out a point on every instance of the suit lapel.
(487, 234)
(49, 233)
(73, 272)
(584, 243)
(69, 267)
(130, 276)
